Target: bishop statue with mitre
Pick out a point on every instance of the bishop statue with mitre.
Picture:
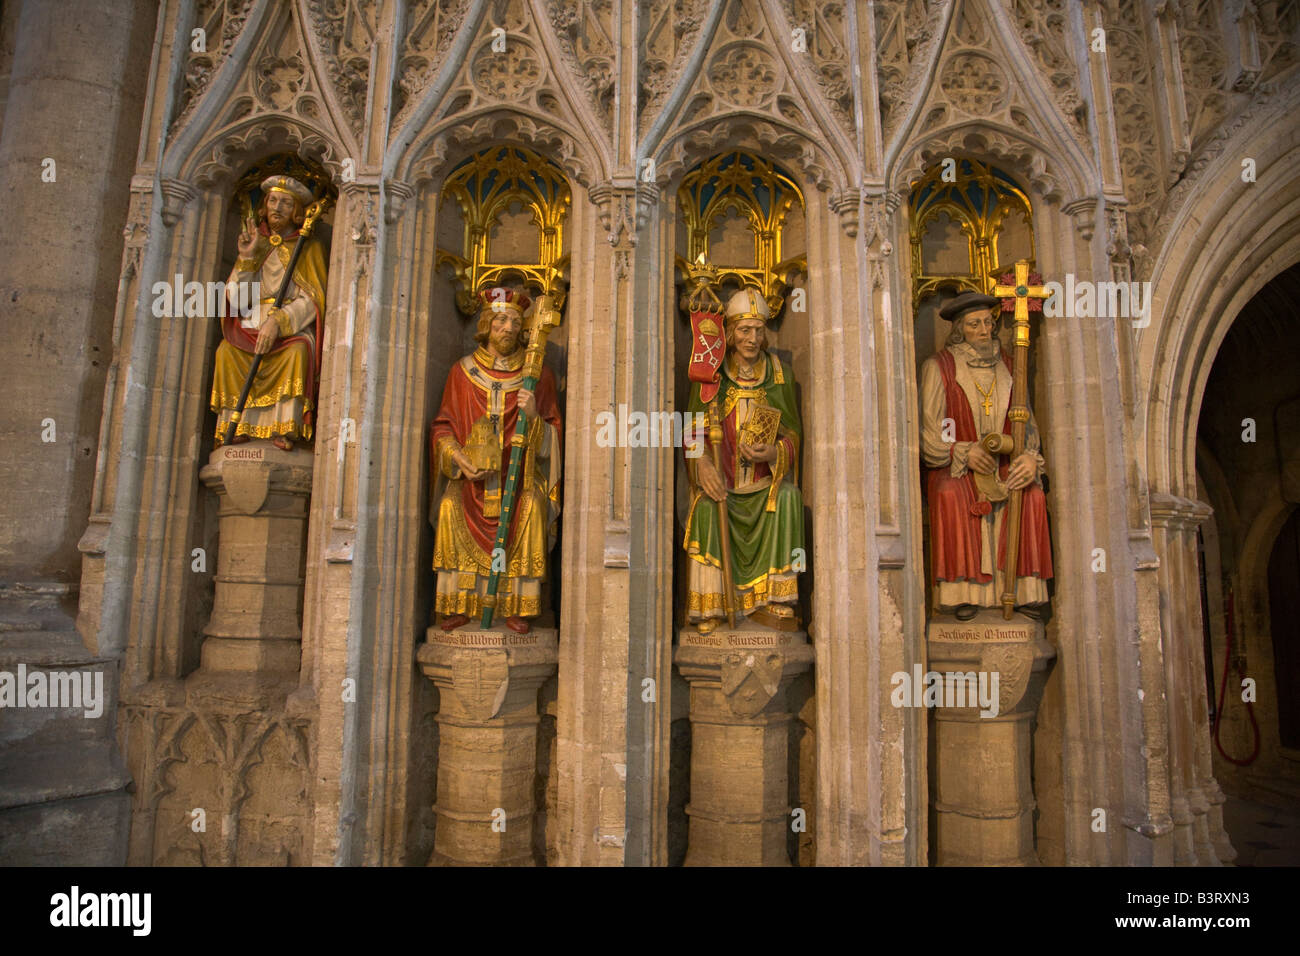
(281, 404)
(756, 482)
(469, 444)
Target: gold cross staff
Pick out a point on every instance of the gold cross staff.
(1022, 291)
(1019, 415)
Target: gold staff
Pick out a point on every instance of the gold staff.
(1019, 415)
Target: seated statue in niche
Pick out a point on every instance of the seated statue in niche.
(281, 403)
(751, 494)
(469, 444)
(965, 437)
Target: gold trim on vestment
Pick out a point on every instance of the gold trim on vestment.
(525, 559)
(507, 605)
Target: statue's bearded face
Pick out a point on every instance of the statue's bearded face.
(749, 337)
(977, 327)
(282, 211)
(504, 335)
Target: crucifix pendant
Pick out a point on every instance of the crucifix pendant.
(988, 405)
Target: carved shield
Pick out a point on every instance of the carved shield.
(1013, 663)
(481, 679)
(750, 680)
(246, 485)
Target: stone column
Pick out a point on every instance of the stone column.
(487, 740)
(981, 783)
(263, 494)
(740, 734)
(72, 113)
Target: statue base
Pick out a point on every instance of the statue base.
(487, 752)
(263, 493)
(981, 785)
(740, 733)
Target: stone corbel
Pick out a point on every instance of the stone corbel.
(1241, 43)
(363, 219)
(176, 196)
(1176, 512)
(623, 207)
(1084, 213)
(363, 222)
(397, 195)
(881, 204)
(847, 205)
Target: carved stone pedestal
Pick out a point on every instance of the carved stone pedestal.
(487, 751)
(263, 495)
(229, 746)
(981, 784)
(740, 732)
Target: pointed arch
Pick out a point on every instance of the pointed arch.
(1222, 247)
(1010, 114)
(465, 110)
(255, 104)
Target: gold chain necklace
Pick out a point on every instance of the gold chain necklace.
(988, 396)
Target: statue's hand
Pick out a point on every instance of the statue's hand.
(711, 481)
(248, 244)
(527, 403)
(980, 460)
(467, 468)
(1023, 471)
(760, 452)
(267, 334)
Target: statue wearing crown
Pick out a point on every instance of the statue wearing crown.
(281, 399)
(744, 531)
(470, 444)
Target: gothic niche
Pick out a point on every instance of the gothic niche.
(496, 394)
(987, 544)
(223, 772)
(743, 575)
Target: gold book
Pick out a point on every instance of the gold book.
(761, 426)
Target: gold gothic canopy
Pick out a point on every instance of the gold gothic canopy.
(485, 187)
(760, 192)
(992, 213)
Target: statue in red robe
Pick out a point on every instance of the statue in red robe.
(469, 444)
(965, 395)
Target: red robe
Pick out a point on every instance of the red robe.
(464, 403)
(955, 519)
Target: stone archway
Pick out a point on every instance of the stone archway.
(1247, 422)
(1224, 246)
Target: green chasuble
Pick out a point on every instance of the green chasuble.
(764, 507)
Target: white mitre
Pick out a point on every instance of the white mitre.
(747, 304)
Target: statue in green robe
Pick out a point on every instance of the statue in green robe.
(755, 478)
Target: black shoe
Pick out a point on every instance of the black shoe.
(965, 612)
(1035, 612)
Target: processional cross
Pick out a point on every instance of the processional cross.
(1019, 415)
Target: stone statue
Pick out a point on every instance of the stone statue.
(755, 479)
(470, 443)
(281, 404)
(965, 437)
